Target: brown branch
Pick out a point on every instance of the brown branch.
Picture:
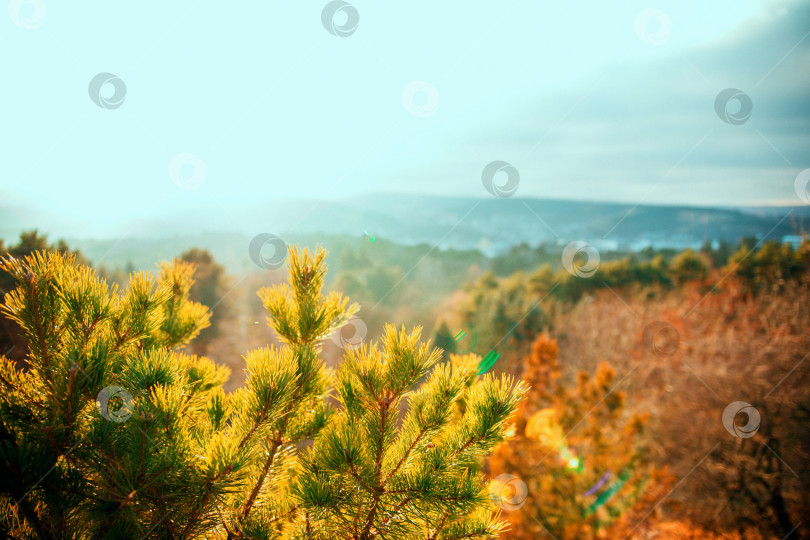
(87, 330)
(81, 494)
(110, 520)
(407, 453)
(411, 493)
(69, 411)
(285, 514)
(254, 427)
(359, 479)
(276, 445)
(467, 535)
(385, 403)
(404, 501)
(203, 501)
(7, 383)
(255, 491)
(356, 517)
(440, 525)
(306, 435)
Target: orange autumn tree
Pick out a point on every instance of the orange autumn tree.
(574, 469)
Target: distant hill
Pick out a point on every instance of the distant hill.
(491, 225)
(463, 222)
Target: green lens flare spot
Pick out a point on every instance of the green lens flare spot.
(466, 339)
(487, 362)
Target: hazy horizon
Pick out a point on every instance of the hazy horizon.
(414, 215)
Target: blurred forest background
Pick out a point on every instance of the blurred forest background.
(631, 369)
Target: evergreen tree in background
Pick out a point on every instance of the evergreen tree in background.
(210, 288)
(110, 431)
(444, 340)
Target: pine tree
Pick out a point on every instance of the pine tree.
(371, 475)
(444, 339)
(210, 288)
(113, 431)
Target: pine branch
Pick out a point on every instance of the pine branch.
(402, 503)
(384, 405)
(110, 520)
(440, 526)
(33, 519)
(202, 502)
(276, 444)
(255, 491)
(357, 477)
(38, 324)
(255, 426)
(407, 453)
(291, 511)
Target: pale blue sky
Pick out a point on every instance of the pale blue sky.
(276, 107)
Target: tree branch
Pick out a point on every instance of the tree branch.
(203, 501)
(255, 491)
(407, 453)
(385, 403)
